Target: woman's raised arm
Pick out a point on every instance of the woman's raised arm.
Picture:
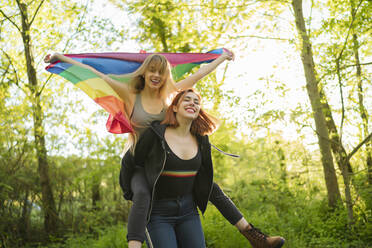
(191, 80)
(121, 89)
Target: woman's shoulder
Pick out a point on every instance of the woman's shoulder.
(204, 137)
(203, 140)
(155, 130)
(148, 133)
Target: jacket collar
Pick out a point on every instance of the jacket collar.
(159, 129)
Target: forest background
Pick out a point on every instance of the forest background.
(295, 105)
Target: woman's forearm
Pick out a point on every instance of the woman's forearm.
(208, 68)
(190, 81)
(121, 89)
(63, 58)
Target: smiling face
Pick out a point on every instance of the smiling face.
(155, 76)
(188, 107)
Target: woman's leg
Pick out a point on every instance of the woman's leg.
(162, 224)
(224, 204)
(137, 219)
(228, 209)
(189, 230)
(161, 230)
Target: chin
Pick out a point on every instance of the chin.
(190, 116)
(156, 86)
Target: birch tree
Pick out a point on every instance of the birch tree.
(312, 87)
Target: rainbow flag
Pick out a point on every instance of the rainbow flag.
(119, 64)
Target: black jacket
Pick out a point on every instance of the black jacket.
(151, 154)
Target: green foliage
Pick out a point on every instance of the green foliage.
(299, 216)
(174, 26)
(276, 183)
(343, 32)
(106, 237)
(191, 26)
(302, 217)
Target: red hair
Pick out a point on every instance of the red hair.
(204, 124)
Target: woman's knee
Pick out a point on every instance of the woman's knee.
(141, 200)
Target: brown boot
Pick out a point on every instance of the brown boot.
(261, 240)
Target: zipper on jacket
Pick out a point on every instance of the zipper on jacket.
(153, 189)
(148, 238)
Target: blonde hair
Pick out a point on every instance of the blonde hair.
(137, 81)
(137, 84)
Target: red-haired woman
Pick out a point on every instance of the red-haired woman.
(146, 100)
(176, 158)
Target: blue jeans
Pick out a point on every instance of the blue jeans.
(176, 223)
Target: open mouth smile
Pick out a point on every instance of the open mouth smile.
(155, 81)
(190, 110)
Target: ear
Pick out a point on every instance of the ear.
(175, 109)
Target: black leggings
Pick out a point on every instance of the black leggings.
(137, 220)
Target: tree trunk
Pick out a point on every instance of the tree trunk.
(161, 31)
(282, 164)
(362, 110)
(344, 160)
(96, 196)
(337, 148)
(61, 199)
(320, 123)
(340, 154)
(50, 216)
(24, 222)
(114, 184)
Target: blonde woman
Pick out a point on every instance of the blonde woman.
(146, 99)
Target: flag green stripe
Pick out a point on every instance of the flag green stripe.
(180, 70)
(76, 74)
